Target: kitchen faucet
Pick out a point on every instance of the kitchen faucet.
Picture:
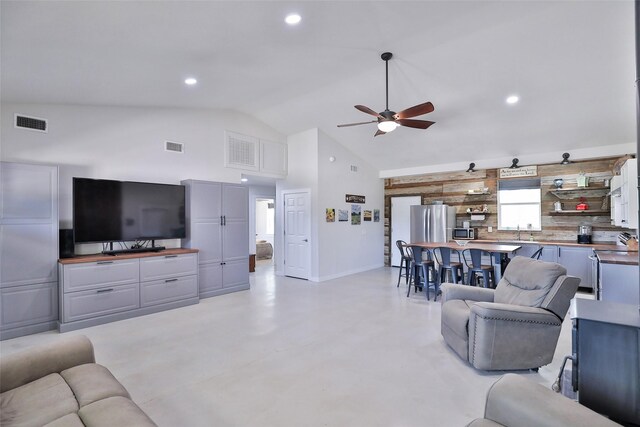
(518, 232)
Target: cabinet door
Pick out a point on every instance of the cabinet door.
(235, 273)
(28, 254)
(92, 275)
(204, 200)
(28, 305)
(527, 250)
(207, 238)
(235, 203)
(28, 224)
(209, 278)
(577, 263)
(168, 290)
(273, 157)
(235, 241)
(549, 253)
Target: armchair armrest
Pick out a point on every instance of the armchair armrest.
(516, 401)
(28, 365)
(452, 291)
(516, 313)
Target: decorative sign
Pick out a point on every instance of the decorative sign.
(352, 198)
(519, 172)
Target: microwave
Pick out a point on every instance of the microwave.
(464, 233)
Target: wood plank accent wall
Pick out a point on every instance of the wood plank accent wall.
(452, 188)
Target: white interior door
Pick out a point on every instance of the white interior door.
(297, 228)
(400, 223)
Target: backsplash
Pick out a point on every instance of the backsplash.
(453, 189)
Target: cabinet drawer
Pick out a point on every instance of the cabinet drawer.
(93, 275)
(167, 290)
(162, 267)
(98, 302)
(28, 305)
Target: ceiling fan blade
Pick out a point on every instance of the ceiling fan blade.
(367, 110)
(356, 124)
(416, 110)
(379, 132)
(419, 124)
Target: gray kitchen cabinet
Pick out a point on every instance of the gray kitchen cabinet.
(28, 248)
(100, 289)
(619, 283)
(527, 249)
(549, 253)
(578, 263)
(218, 225)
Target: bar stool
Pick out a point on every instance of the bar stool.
(454, 268)
(405, 261)
(424, 267)
(536, 254)
(476, 268)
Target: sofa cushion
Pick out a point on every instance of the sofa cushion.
(37, 403)
(114, 411)
(70, 420)
(91, 382)
(527, 281)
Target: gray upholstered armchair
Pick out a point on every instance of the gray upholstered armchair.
(516, 325)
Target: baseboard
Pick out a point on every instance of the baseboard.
(27, 330)
(222, 291)
(346, 273)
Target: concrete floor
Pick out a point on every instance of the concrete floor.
(354, 351)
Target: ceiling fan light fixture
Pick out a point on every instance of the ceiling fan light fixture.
(387, 126)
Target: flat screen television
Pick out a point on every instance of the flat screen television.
(118, 211)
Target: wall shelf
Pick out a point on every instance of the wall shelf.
(588, 212)
(574, 193)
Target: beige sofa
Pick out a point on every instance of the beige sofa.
(514, 401)
(61, 385)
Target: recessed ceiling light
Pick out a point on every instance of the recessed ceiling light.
(513, 99)
(190, 81)
(293, 19)
(244, 179)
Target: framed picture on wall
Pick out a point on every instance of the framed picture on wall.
(330, 215)
(343, 215)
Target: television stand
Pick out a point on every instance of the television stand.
(133, 250)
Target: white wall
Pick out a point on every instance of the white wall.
(126, 143)
(339, 248)
(303, 175)
(345, 248)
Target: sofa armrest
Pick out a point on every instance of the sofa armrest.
(452, 291)
(516, 401)
(28, 365)
(516, 313)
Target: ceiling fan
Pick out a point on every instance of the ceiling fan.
(389, 120)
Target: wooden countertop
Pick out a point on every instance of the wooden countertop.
(101, 257)
(622, 258)
(603, 246)
(473, 244)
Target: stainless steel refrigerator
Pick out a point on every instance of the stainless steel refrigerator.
(432, 223)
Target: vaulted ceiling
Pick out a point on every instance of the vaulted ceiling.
(571, 63)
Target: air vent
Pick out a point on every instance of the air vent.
(241, 151)
(175, 147)
(354, 168)
(31, 123)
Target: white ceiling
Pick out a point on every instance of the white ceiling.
(571, 63)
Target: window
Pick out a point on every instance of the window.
(519, 204)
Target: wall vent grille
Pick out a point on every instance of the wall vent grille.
(31, 123)
(175, 147)
(241, 151)
(354, 168)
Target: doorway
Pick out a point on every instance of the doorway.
(400, 224)
(265, 221)
(297, 231)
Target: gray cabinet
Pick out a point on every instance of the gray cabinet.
(100, 289)
(619, 283)
(28, 248)
(218, 225)
(578, 263)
